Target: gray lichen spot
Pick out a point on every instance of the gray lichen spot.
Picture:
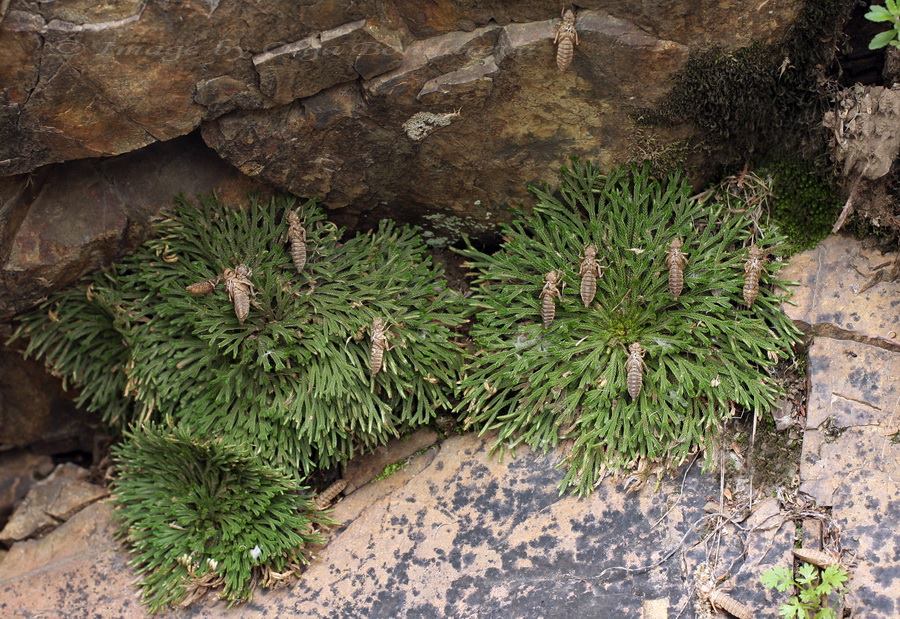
(421, 124)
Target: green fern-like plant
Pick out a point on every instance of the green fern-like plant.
(705, 352)
(812, 586)
(293, 381)
(199, 513)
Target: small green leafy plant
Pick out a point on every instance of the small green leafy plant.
(706, 352)
(202, 513)
(293, 380)
(812, 586)
(890, 12)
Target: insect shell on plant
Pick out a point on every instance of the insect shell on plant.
(566, 39)
(549, 293)
(202, 288)
(634, 366)
(676, 260)
(296, 235)
(752, 270)
(240, 289)
(379, 345)
(590, 271)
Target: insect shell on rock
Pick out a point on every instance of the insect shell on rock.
(566, 39)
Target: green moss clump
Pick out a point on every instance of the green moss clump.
(706, 353)
(293, 381)
(201, 513)
(759, 99)
(804, 203)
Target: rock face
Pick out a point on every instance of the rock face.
(448, 105)
(53, 576)
(36, 411)
(19, 469)
(455, 533)
(51, 502)
(851, 456)
(830, 300)
(63, 221)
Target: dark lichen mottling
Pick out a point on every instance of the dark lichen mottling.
(509, 556)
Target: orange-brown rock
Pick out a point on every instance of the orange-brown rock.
(408, 108)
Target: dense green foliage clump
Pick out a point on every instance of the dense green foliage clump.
(705, 352)
(293, 381)
(804, 203)
(201, 513)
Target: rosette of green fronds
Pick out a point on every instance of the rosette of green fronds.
(201, 514)
(293, 380)
(81, 335)
(705, 352)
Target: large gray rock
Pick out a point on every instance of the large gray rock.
(851, 462)
(851, 456)
(457, 533)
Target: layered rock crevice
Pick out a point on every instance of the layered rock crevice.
(84, 80)
(441, 112)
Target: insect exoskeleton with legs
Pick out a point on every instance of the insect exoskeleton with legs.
(548, 296)
(566, 39)
(379, 345)
(753, 268)
(676, 261)
(720, 600)
(296, 236)
(634, 367)
(590, 271)
(240, 290)
(325, 498)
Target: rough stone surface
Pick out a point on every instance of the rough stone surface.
(507, 118)
(19, 469)
(828, 301)
(50, 502)
(851, 461)
(851, 456)
(83, 79)
(36, 411)
(63, 221)
(92, 79)
(76, 570)
(455, 533)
